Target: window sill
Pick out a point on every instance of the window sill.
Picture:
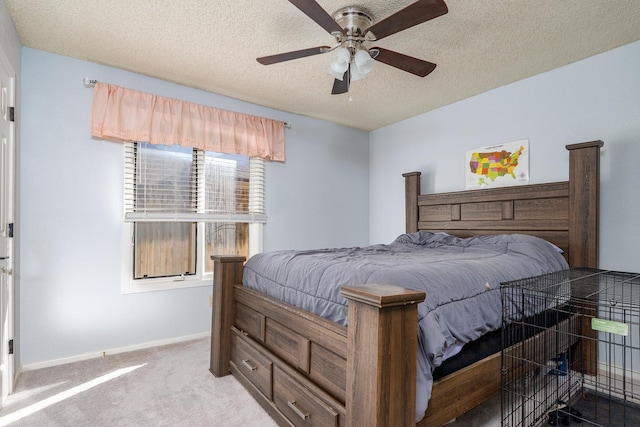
(165, 284)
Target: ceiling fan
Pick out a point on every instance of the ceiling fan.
(352, 28)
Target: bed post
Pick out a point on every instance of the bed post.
(584, 205)
(381, 355)
(411, 193)
(584, 202)
(227, 272)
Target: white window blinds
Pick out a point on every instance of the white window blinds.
(173, 183)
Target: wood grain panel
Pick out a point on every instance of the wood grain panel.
(584, 165)
(534, 191)
(411, 192)
(542, 209)
(514, 226)
(228, 270)
(253, 364)
(436, 213)
(507, 209)
(462, 390)
(486, 211)
(287, 344)
(456, 212)
(326, 333)
(250, 321)
(299, 404)
(329, 371)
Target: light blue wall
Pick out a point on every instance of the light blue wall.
(71, 211)
(597, 98)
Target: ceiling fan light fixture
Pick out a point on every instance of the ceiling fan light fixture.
(355, 73)
(340, 62)
(335, 74)
(361, 65)
(364, 61)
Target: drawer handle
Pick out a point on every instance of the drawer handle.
(294, 407)
(246, 363)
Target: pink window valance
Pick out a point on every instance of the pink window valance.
(128, 115)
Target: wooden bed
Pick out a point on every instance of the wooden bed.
(306, 370)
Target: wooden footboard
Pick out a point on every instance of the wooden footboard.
(307, 370)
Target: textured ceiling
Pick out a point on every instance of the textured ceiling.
(212, 45)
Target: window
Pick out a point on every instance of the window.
(184, 205)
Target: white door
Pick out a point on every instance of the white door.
(7, 182)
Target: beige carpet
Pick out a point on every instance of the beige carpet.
(162, 386)
(171, 386)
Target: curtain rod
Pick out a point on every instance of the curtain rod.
(91, 83)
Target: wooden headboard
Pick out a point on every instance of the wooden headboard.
(564, 213)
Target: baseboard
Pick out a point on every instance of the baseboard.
(98, 354)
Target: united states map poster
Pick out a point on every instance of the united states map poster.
(498, 165)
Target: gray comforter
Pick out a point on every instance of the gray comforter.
(461, 278)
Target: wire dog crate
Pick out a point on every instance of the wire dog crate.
(571, 349)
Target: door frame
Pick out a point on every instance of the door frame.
(8, 267)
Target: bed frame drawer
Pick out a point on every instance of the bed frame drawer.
(300, 405)
(250, 321)
(288, 344)
(251, 363)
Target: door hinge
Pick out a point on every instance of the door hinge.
(12, 114)
(11, 346)
(10, 229)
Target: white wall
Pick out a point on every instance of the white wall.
(597, 98)
(71, 211)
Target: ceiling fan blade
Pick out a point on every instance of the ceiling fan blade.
(288, 56)
(406, 63)
(414, 14)
(341, 86)
(314, 11)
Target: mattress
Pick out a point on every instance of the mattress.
(461, 278)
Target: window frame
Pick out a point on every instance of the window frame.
(130, 285)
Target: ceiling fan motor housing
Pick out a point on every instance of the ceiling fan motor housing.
(355, 21)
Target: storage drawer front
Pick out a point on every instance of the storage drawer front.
(287, 344)
(253, 365)
(299, 405)
(250, 321)
(328, 370)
